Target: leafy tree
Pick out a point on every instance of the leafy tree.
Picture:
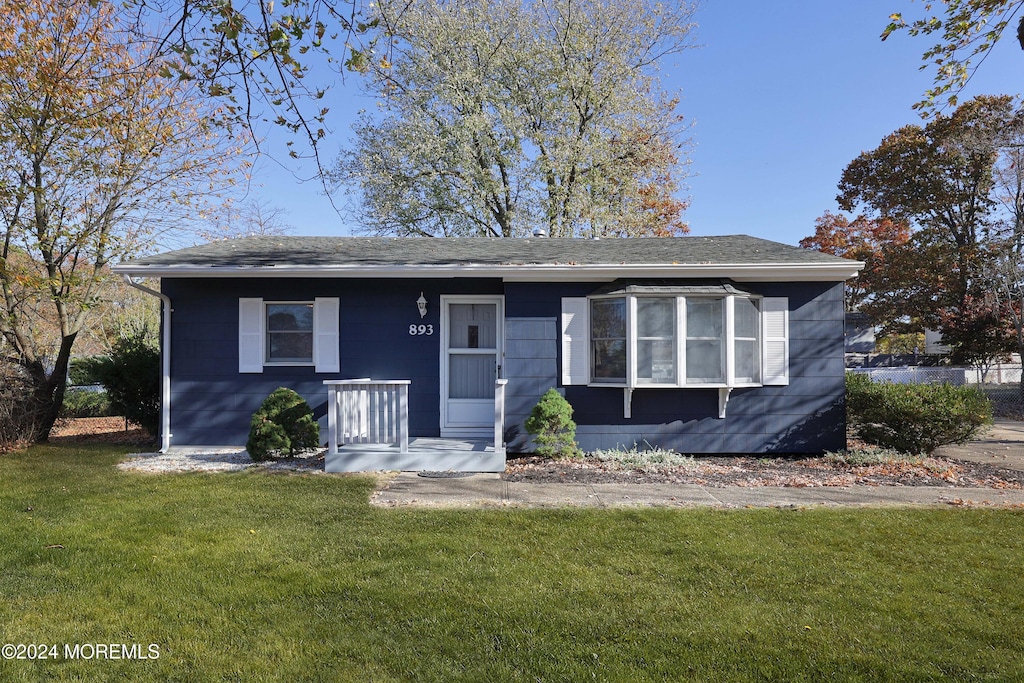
(967, 31)
(938, 178)
(97, 155)
(978, 332)
(256, 57)
(501, 116)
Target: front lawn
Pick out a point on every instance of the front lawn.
(259, 576)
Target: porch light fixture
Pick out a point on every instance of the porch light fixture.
(421, 304)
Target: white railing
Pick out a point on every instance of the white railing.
(499, 416)
(368, 411)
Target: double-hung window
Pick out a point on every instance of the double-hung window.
(289, 333)
(608, 341)
(699, 336)
(655, 340)
(705, 340)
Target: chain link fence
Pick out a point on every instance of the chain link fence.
(1001, 382)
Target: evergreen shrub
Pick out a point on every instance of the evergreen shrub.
(131, 377)
(552, 428)
(283, 426)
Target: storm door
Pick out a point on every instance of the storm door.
(472, 352)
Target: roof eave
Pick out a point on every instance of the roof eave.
(519, 273)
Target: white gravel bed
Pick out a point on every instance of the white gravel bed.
(217, 461)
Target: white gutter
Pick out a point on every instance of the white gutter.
(761, 272)
(165, 363)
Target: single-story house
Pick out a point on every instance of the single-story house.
(727, 344)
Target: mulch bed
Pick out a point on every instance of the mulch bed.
(718, 471)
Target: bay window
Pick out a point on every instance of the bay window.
(639, 336)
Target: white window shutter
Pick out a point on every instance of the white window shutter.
(775, 340)
(575, 341)
(326, 345)
(250, 335)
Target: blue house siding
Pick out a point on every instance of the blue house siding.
(807, 416)
(212, 402)
(531, 367)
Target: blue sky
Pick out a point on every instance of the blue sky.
(782, 96)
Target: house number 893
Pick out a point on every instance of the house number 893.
(416, 330)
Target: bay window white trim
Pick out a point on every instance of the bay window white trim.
(773, 345)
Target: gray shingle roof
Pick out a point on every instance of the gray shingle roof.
(348, 252)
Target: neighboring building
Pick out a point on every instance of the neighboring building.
(934, 343)
(860, 333)
(699, 344)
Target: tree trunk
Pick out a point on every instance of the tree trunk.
(47, 395)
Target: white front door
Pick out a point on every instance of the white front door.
(471, 357)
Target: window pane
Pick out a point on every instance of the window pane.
(746, 313)
(748, 361)
(656, 361)
(609, 360)
(655, 317)
(472, 326)
(704, 317)
(289, 317)
(608, 340)
(290, 333)
(704, 360)
(608, 319)
(290, 347)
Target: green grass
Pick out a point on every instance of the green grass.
(274, 577)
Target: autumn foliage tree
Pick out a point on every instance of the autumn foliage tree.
(940, 179)
(98, 153)
(979, 333)
(871, 240)
(501, 116)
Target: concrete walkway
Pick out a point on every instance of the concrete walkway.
(1002, 445)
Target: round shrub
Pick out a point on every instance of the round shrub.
(551, 426)
(283, 425)
(914, 418)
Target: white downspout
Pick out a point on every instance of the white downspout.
(165, 364)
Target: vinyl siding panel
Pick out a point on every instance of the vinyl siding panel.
(212, 402)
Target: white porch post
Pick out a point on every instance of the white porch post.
(332, 419)
(403, 418)
(499, 416)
